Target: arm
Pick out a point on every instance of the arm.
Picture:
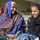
(21, 25)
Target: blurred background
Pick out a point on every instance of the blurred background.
(23, 7)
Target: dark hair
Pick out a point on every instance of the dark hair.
(13, 14)
(37, 5)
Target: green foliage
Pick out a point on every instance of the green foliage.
(0, 2)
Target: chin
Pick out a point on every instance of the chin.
(35, 16)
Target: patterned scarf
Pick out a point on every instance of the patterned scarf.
(5, 22)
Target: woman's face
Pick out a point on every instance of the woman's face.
(13, 8)
(35, 11)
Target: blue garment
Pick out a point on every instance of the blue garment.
(9, 7)
(19, 25)
(26, 36)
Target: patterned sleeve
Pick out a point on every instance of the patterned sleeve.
(21, 25)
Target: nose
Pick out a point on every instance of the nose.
(33, 12)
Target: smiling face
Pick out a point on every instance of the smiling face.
(35, 11)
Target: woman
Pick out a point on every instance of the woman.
(34, 21)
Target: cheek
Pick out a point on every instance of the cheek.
(35, 13)
(14, 9)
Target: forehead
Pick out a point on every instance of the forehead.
(34, 8)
